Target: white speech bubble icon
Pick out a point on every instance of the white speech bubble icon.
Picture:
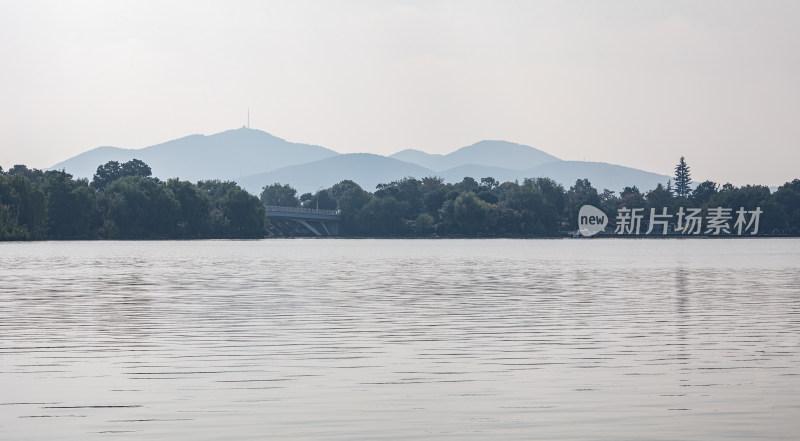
(591, 221)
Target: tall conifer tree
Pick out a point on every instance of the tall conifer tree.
(682, 179)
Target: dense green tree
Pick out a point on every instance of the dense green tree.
(423, 224)
(503, 190)
(631, 197)
(580, 194)
(106, 174)
(34, 175)
(341, 188)
(628, 191)
(382, 217)
(470, 214)
(26, 206)
(787, 198)
(136, 167)
(466, 185)
(279, 195)
(488, 197)
(194, 216)
(609, 202)
(139, 208)
(774, 219)
(407, 191)
(70, 206)
(216, 189)
(245, 214)
(703, 193)
(660, 198)
(510, 222)
(552, 192)
(113, 170)
(554, 202)
(432, 183)
(350, 204)
(788, 195)
(489, 183)
(434, 197)
(353, 200)
(528, 201)
(23, 209)
(235, 213)
(305, 199)
(749, 197)
(322, 200)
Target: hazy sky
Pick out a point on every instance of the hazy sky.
(637, 83)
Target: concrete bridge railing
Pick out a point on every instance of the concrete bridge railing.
(275, 208)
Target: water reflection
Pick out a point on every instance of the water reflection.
(308, 339)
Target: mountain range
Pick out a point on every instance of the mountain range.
(254, 158)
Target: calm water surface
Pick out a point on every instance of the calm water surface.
(401, 339)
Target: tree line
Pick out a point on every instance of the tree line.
(537, 207)
(124, 201)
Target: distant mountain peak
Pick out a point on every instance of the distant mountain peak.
(416, 152)
(491, 153)
(494, 142)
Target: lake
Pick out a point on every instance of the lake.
(575, 339)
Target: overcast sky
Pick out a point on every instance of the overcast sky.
(637, 83)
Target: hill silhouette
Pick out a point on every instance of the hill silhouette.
(227, 156)
(369, 170)
(600, 174)
(366, 169)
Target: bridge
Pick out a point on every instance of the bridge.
(291, 221)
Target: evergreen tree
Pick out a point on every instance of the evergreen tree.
(682, 179)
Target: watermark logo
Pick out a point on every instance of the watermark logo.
(686, 221)
(689, 221)
(591, 221)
